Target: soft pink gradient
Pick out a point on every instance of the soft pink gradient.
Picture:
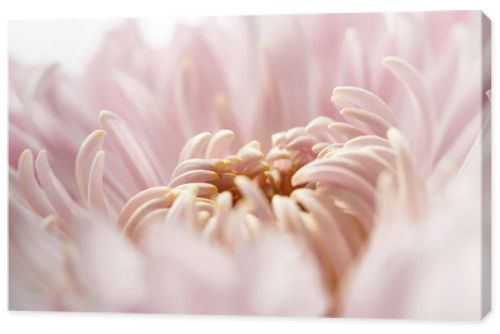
(221, 175)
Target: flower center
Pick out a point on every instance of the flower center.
(271, 173)
(315, 183)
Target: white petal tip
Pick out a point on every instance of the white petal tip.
(26, 154)
(104, 115)
(393, 133)
(390, 60)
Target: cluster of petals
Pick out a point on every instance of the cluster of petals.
(308, 165)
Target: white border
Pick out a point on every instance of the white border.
(119, 323)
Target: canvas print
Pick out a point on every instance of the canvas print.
(328, 165)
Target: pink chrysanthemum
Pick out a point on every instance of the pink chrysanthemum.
(227, 178)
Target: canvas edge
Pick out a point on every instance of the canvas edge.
(486, 170)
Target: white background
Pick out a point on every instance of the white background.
(14, 322)
(72, 43)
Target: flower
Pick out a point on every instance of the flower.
(224, 179)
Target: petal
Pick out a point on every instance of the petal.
(260, 205)
(373, 122)
(425, 109)
(195, 147)
(130, 151)
(29, 187)
(363, 99)
(335, 175)
(63, 204)
(139, 199)
(84, 160)
(194, 176)
(96, 197)
(219, 144)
